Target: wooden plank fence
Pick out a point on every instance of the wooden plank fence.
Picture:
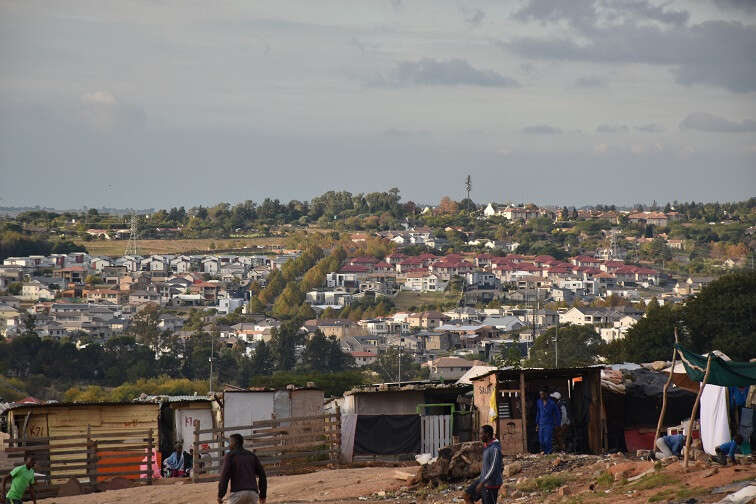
(89, 458)
(283, 445)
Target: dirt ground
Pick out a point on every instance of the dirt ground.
(343, 485)
(557, 479)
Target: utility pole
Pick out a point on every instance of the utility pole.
(556, 343)
(211, 362)
(400, 363)
(468, 187)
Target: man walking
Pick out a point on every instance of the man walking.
(486, 487)
(21, 478)
(243, 469)
(547, 418)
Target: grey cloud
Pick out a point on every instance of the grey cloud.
(717, 53)
(453, 72)
(542, 129)
(645, 10)
(580, 13)
(403, 133)
(611, 128)
(476, 17)
(703, 121)
(650, 128)
(748, 6)
(590, 82)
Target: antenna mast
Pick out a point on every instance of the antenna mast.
(131, 248)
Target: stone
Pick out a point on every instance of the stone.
(711, 473)
(563, 491)
(512, 469)
(669, 460)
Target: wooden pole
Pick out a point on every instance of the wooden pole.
(695, 410)
(195, 457)
(664, 397)
(151, 444)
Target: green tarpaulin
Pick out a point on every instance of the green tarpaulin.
(723, 373)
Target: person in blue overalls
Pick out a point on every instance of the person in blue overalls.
(548, 417)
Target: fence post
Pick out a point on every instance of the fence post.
(91, 458)
(335, 435)
(195, 457)
(151, 444)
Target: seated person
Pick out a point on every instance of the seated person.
(179, 464)
(206, 459)
(670, 446)
(728, 450)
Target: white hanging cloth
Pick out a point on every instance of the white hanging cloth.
(715, 426)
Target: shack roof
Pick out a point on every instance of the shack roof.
(87, 404)
(512, 373)
(413, 386)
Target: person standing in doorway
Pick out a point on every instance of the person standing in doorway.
(547, 418)
(246, 474)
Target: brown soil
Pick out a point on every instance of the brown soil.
(342, 485)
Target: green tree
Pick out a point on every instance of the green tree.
(578, 346)
(144, 326)
(283, 345)
(14, 288)
(509, 356)
(652, 337)
(721, 317)
(262, 361)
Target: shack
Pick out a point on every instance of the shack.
(177, 416)
(516, 394)
(244, 406)
(394, 420)
(61, 434)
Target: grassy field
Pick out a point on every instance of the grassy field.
(405, 299)
(207, 245)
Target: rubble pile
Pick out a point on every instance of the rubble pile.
(455, 462)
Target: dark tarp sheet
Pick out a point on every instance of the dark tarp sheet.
(643, 400)
(723, 373)
(387, 434)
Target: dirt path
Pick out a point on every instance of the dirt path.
(323, 486)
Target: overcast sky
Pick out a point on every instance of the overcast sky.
(156, 103)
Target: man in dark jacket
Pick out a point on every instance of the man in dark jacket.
(243, 469)
(486, 487)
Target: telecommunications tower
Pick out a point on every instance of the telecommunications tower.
(131, 248)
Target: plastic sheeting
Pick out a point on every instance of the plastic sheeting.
(715, 428)
(387, 434)
(348, 428)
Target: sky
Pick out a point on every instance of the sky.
(160, 103)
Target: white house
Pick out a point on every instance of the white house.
(421, 281)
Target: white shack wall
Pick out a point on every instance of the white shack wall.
(243, 408)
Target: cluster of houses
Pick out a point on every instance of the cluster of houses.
(80, 295)
(77, 293)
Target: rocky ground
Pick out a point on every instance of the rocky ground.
(529, 479)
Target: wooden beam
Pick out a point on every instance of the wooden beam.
(695, 410)
(664, 396)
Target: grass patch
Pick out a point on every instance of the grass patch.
(654, 481)
(550, 482)
(677, 493)
(605, 480)
(178, 246)
(406, 299)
